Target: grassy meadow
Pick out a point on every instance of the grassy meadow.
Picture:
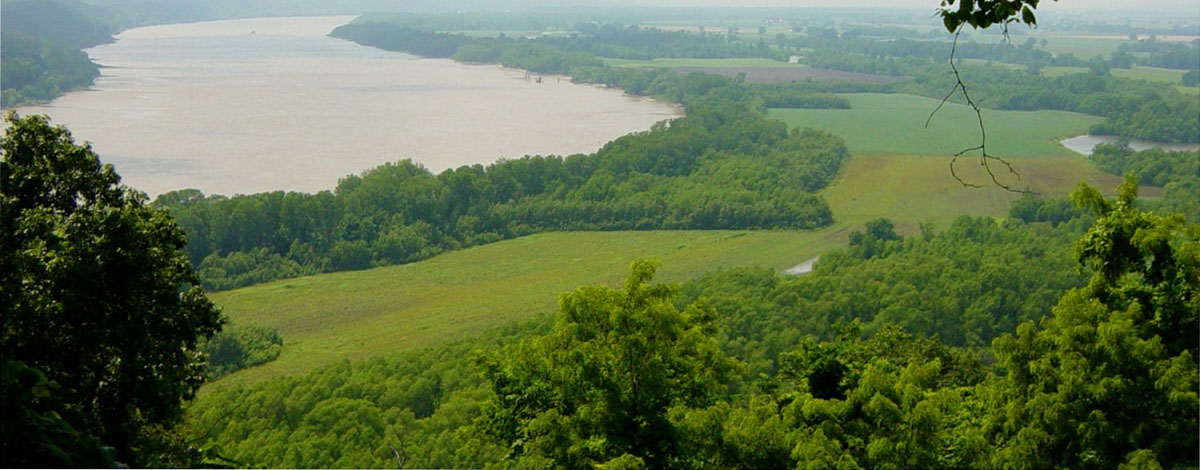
(1137, 72)
(893, 124)
(911, 189)
(353, 315)
(1084, 47)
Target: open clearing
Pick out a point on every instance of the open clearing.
(1137, 72)
(891, 124)
(911, 189)
(791, 74)
(353, 315)
(1083, 47)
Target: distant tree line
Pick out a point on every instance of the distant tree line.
(1178, 173)
(723, 166)
(591, 42)
(1132, 108)
(1151, 52)
(848, 51)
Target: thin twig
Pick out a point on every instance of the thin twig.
(229, 460)
(985, 158)
(401, 456)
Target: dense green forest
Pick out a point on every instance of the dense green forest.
(880, 358)
(725, 165)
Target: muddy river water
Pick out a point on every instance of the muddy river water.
(256, 105)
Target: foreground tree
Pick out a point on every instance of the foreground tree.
(1110, 379)
(102, 313)
(596, 391)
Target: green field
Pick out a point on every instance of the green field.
(674, 62)
(911, 189)
(1083, 47)
(353, 315)
(885, 124)
(1152, 74)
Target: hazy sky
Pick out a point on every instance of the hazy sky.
(1191, 7)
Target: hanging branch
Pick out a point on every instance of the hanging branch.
(986, 159)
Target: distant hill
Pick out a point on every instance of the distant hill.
(41, 58)
(66, 23)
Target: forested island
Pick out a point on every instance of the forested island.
(1054, 324)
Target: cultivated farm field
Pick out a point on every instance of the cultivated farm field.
(894, 124)
(913, 189)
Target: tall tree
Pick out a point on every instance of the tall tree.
(99, 300)
(597, 389)
(1110, 379)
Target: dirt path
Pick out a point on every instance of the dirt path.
(802, 268)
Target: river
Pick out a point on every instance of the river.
(255, 105)
(1085, 143)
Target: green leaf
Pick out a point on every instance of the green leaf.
(1027, 16)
